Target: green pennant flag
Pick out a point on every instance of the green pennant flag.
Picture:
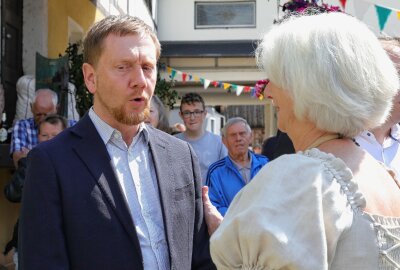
(173, 74)
(383, 14)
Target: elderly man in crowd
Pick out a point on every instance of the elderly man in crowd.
(229, 175)
(25, 131)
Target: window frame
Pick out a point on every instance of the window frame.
(199, 3)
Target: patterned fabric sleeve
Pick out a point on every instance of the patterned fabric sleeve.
(290, 216)
(19, 137)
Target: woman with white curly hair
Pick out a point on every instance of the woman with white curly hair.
(331, 205)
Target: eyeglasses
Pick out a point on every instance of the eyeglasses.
(188, 114)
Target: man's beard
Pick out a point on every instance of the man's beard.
(122, 117)
(130, 119)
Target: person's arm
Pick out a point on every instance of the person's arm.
(201, 258)
(17, 155)
(42, 243)
(13, 190)
(212, 216)
(18, 147)
(214, 193)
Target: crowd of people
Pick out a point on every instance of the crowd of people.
(122, 189)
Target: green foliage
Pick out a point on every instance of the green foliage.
(84, 99)
(163, 90)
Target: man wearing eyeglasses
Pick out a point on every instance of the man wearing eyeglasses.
(207, 146)
(25, 131)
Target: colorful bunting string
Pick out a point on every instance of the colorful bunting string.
(382, 12)
(383, 15)
(238, 89)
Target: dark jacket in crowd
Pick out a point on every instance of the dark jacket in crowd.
(277, 146)
(13, 193)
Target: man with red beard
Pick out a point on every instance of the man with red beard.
(111, 192)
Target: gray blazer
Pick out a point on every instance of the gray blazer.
(74, 215)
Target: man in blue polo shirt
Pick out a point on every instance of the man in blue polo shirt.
(229, 175)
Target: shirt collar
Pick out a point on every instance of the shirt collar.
(106, 131)
(395, 132)
(238, 166)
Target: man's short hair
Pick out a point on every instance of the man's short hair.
(54, 119)
(190, 98)
(233, 121)
(118, 25)
(54, 96)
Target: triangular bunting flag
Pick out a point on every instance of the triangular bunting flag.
(398, 15)
(360, 8)
(253, 92)
(184, 77)
(206, 83)
(383, 14)
(343, 3)
(239, 90)
(173, 74)
(226, 85)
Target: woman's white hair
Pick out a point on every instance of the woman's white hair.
(334, 68)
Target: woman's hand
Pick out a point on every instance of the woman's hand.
(212, 216)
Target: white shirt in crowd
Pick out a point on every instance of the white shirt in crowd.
(388, 153)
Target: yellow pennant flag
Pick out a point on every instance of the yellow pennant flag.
(226, 85)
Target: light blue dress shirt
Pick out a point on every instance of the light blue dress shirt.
(136, 175)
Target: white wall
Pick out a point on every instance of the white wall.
(138, 8)
(370, 16)
(176, 20)
(34, 33)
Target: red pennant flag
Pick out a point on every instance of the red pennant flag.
(343, 3)
(246, 89)
(214, 83)
(184, 77)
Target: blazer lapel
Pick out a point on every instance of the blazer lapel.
(92, 151)
(163, 167)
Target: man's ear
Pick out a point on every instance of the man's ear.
(180, 115)
(89, 75)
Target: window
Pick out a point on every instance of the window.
(212, 125)
(228, 14)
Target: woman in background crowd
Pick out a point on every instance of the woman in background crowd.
(158, 116)
(331, 205)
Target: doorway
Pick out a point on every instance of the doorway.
(11, 52)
